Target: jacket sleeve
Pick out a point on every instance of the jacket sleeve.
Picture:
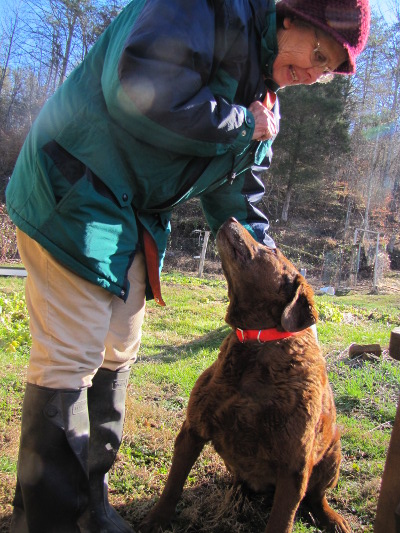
(239, 200)
(158, 83)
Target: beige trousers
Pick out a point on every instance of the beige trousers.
(76, 326)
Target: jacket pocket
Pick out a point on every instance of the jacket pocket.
(68, 170)
(89, 224)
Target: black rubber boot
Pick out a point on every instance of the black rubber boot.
(52, 477)
(106, 399)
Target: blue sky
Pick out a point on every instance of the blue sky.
(378, 6)
(382, 6)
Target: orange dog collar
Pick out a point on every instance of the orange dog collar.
(263, 335)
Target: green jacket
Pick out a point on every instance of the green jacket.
(155, 114)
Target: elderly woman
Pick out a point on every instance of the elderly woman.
(175, 100)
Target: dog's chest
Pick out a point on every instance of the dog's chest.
(257, 394)
(282, 372)
(264, 413)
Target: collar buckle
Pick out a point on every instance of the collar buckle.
(240, 335)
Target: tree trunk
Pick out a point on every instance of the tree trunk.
(286, 203)
(348, 216)
(71, 28)
(9, 50)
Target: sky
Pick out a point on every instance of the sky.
(382, 6)
(377, 6)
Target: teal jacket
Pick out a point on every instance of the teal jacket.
(155, 114)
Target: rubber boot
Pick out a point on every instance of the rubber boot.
(52, 475)
(106, 399)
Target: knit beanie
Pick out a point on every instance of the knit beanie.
(347, 21)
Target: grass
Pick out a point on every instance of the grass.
(181, 340)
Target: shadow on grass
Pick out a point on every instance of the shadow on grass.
(212, 507)
(169, 353)
(346, 404)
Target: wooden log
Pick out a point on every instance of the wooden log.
(358, 350)
(394, 344)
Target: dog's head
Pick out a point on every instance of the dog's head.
(265, 290)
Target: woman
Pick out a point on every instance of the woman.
(175, 100)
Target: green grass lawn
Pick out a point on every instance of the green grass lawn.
(179, 342)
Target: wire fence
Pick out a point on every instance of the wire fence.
(359, 265)
(339, 269)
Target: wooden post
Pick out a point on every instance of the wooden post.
(358, 264)
(388, 512)
(203, 253)
(389, 499)
(376, 263)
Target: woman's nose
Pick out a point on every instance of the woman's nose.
(313, 75)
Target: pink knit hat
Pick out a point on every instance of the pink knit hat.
(347, 21)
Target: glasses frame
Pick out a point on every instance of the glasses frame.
(327, 73)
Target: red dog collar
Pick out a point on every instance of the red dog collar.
(263, 335)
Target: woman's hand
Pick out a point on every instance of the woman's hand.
(265, 127)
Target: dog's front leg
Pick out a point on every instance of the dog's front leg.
(188, 446)
(289, 492)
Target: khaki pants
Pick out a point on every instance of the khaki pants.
(77, 326)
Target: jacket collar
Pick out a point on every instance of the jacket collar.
(265, 19)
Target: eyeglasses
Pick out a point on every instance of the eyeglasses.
(320, 61)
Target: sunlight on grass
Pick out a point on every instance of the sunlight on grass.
(340, 335)
(178, 343)
(7, 466)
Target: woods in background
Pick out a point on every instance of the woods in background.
(339, 142)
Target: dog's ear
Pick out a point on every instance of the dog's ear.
(300, 313)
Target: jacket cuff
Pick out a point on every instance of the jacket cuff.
(259, 231)
(245, 132)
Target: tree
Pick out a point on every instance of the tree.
(41, 42)
(93, 22)
(9, 39)
(374, 119)
(61, 32)
(314, 132)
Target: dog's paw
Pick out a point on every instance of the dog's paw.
(153, 523)
(338, 524)
(150, 527)
(342, 527)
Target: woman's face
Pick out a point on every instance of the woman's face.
(295, 62)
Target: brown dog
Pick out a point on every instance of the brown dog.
(265, 404)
